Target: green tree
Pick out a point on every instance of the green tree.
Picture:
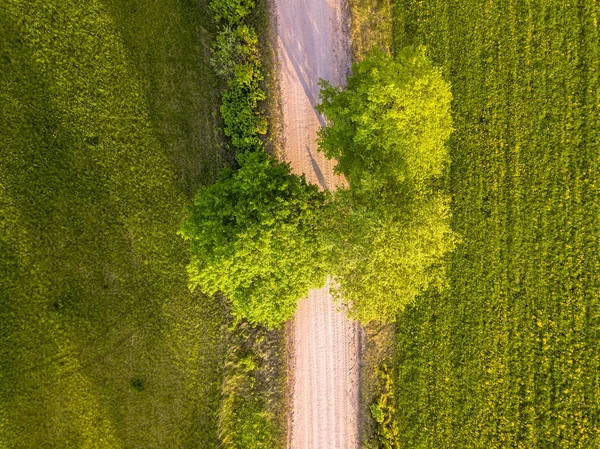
(390, 122)
(253, 237)
(388, 233)
(384, 250)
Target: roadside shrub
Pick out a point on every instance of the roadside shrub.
(254, 237)
(243, 122)
(233, 47)
(235, 57)
(231, 11)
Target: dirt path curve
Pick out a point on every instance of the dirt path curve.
(312, 44)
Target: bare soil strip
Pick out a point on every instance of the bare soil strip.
(312, 44)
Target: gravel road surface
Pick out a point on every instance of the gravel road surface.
(313, 44)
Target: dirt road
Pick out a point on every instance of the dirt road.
(312, 44)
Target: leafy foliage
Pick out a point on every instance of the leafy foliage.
(243, 121)
(233, 47)
(252, 236)
(246, 415)
(391, 121)
(386, 250)
(231, 11)
(389, 232)
(235, 57)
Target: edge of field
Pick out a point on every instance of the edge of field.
(274, 142)
(265, 21)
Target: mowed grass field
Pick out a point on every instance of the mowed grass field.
(509, 356)
(108, 125)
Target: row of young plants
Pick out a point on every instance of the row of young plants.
(236, 59)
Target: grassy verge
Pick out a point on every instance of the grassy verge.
(108, 118)
(509, 356)
(251, 405)
(370, 26)
(378, 353)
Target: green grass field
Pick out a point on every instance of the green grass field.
(510, 355)
(108, 125)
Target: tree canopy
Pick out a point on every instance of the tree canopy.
(253, 237)
(389, 231)
(385, 251)
(390, 123)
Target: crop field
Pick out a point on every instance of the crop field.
(108, 125)
(509, 356)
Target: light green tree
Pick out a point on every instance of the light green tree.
(253, 237)
(391, 121)
(389, 232)
(385, 250)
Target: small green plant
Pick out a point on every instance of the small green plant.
(137, 384)
(231, 11)
(233, 47)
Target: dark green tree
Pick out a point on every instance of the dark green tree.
(253, 236)
(388, 233)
